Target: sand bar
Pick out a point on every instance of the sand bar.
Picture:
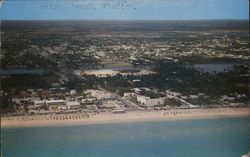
(128, 117)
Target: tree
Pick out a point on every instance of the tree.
(172, 102)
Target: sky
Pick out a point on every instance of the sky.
(124, 9)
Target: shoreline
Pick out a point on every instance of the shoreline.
(128, 117)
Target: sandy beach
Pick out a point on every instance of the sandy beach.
(128, 117)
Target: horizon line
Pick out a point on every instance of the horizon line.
(236, 19)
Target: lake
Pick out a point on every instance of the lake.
(214, 67)
(117, 67)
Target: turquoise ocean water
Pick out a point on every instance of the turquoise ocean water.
(222, 137)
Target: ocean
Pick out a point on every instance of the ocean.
(220, 137)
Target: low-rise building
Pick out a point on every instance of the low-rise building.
(136, 90)
(55, 102)
(147, 101)
(226, 98)
(100, 95)
(72, 92)
(39, 103)
(88, 101)
(55, 105)
(62, 107)
(73, 105)
(110, 104)
(128, 94)
(193, 96)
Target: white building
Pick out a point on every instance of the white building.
(227, 98)
(73, 105)
(147, 101)
(128, 94)
(100, 95)
(62, 107)
(110, 104)
(194, 96)
(87, 101)
(136, 90)
(72, 92)
(55, 105)
(25, 100)
(39, 103)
